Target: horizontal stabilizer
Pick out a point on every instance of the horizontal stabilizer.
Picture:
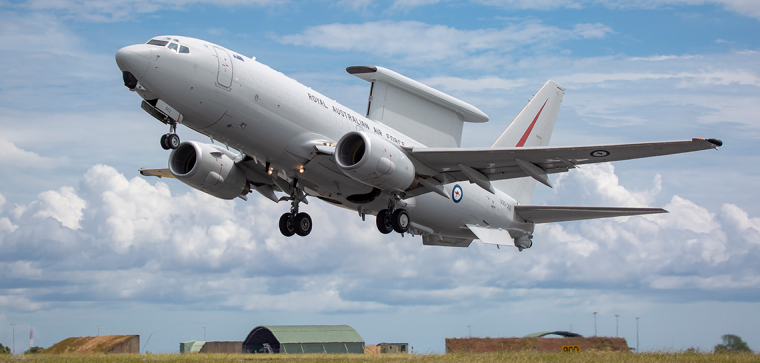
(548, 214)
(161, 173)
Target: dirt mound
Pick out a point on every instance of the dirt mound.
(482, 345)
(101, 344)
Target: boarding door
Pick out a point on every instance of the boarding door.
(224, 77)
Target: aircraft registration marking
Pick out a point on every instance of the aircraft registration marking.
(600, 153)
(457, 194)
(571, 349)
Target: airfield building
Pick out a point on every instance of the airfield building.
(394, 348)
(300, 339)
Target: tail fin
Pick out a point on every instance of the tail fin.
(532, 127)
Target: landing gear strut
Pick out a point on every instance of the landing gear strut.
(393, 219)
(170, 140)
(294, 222)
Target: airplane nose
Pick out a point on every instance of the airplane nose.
(134, 59)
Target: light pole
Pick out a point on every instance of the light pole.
(469, 328)
(98, 326)
(594, 323)
(571, 328)
(14, 339)
(617, 325)
(637, 335)
(204, 333)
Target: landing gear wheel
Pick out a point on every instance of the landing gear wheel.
(302, 224)
(383, 222)
(164, 142)
(287, 227)
(172, 140)
(400, 221)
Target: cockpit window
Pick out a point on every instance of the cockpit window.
(157, 42)
(173, 46)
(184, 49)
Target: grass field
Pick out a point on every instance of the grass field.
(452, 358)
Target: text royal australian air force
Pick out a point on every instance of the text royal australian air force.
(360, 123)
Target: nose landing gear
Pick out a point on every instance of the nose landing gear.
(294, 222)
(393, 219)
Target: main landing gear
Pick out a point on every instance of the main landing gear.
(393, 219)
(170, 140)
(293, 222)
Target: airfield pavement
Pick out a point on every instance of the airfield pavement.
(376, 358)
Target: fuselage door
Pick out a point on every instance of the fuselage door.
(224, 77)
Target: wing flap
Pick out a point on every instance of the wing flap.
(491, 236)
(548, 214)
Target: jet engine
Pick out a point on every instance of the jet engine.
(374, 161)
(208, 168)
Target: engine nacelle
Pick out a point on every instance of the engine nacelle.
(374, 161)
(208, 168)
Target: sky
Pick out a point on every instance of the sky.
(85, 241)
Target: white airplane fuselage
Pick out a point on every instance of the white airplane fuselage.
(247, 106)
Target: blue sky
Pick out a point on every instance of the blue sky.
(86, 241)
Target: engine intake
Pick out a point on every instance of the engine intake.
(374, 161)
(208, 168)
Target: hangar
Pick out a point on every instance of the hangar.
(299, 339)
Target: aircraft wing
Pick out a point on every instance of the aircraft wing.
(161, 173)
(548, 214)
(507, 163)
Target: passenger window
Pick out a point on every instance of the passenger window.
(173, 46)
(184, 49)
(157, 42)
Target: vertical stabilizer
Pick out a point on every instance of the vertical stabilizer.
(532, 127)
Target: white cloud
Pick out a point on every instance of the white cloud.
(743, 7)
(62, 205)
(420, 42)
(686, 215)
(409, 4)
(117, 10)
(709, 78)
(11, 155)
(655, 58)
(36, 32)
(150, 246)
(599, 181)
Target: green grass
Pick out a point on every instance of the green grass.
(446, 358)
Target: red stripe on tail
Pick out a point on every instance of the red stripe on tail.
(530, 128)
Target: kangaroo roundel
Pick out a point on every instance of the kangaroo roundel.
(457, 194)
